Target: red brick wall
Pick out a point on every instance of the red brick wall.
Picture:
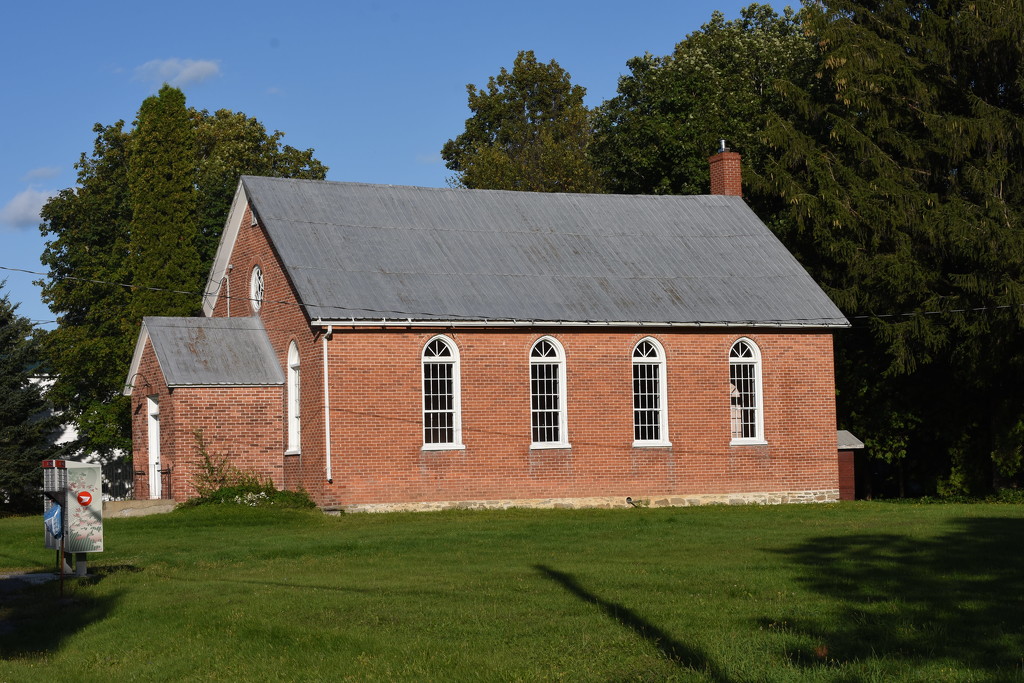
(148, 382)
(847, 479)
(726, 175)
(238, 422)
(285, 322)
(376, 421)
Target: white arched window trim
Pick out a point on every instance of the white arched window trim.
(442, 395)
(650, 397)
(294, 405)
(746, 393)
(548, 425)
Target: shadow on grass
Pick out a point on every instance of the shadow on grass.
(677, 652)
(37, 620)
(298, 586)
(955, 598)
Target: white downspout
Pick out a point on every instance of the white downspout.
(327, 409)
(227, 281)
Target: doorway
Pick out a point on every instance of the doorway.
(155, 489)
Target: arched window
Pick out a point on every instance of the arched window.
(547, 395)
(746, 417)
(256, 288)
(442, 418)
(650, 424)
(294, 410)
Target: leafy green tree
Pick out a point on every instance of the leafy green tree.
(26, 429)
(899, 172)
(529, 131)
(655, 136)
(88, 257)
(123, 229)
(230, 145)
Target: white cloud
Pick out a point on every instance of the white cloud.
(43, 173)
(23, 210)
(177, 72)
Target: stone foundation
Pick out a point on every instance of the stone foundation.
(136, 508)
(607, 502)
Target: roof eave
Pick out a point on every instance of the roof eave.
(841, 323)
(222, 259)
(133, 369)
(185, 385)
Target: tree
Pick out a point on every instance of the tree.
(655, 136)
(114, 231)
(26, 426)
(230, 145)
(164, 230)
(529, 131)
(900, 174)
(87, 258)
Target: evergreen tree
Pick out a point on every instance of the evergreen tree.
(164, 231)
(901, 173)
(147, 212)
(25, 427)
(529, 131)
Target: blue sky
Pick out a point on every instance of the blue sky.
(376, 88)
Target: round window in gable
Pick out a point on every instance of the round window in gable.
(256, 288)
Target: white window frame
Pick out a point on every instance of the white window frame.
(654, 369)
(451, 360)
(557, 364)
(294, 377)
(257, 288)
(747, 370)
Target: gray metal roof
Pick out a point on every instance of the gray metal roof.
(847, 441)
(357, 251)
(213, 351)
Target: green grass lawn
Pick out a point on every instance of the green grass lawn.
(850, 592)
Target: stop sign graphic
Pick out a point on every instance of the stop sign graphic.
(84, 498)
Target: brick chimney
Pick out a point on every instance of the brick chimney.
(725, 172)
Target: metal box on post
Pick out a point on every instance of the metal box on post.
(78, 488)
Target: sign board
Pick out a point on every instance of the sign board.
(80, 486)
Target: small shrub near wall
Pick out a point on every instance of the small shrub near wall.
(253, 493)
(218, 482)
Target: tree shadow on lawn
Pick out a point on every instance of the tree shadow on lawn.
(297, 586)
(680, 654)
(954, 598)
(37, 620)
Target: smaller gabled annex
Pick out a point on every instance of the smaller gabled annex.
(204, 383)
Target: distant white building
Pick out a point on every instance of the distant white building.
(117, 472)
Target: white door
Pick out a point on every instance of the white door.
(154, 447)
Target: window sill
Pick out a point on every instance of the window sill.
(652, 444)
(443, 447)
(748, 442)
(548, 445)
(293, 451)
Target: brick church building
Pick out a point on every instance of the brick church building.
(387, 347)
